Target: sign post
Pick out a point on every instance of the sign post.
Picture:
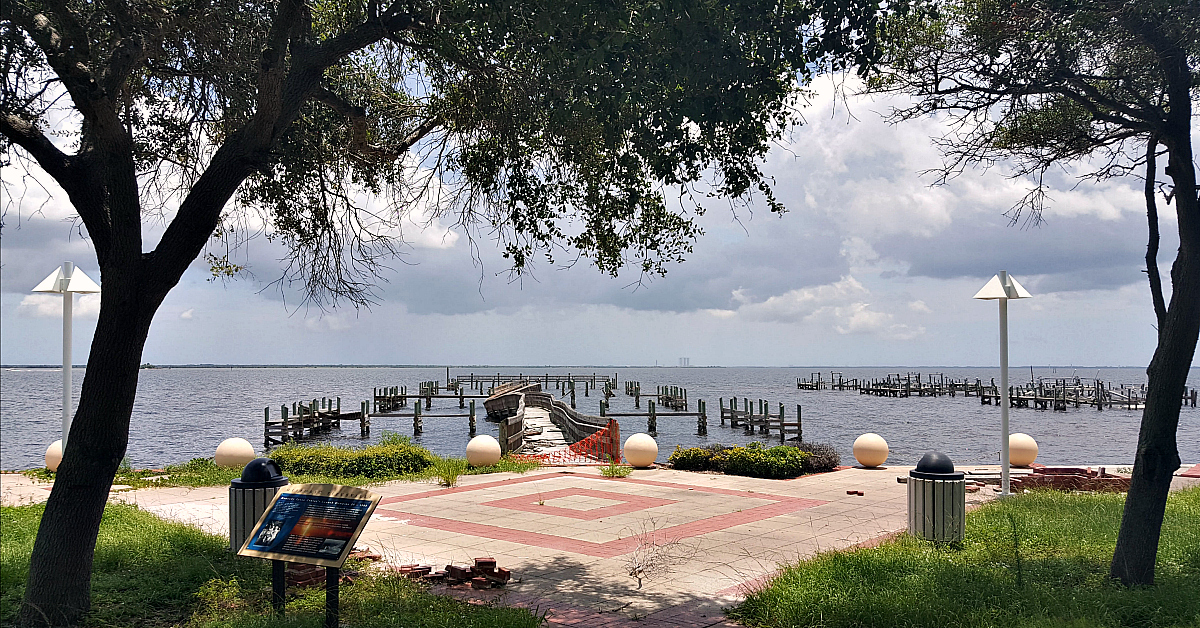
(1001, 288)
(67, 281)
(315, 524)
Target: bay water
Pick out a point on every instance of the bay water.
(184, 413)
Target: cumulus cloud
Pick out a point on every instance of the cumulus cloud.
(187, 314)
(840, 306)
(803, 303)
(51, 306)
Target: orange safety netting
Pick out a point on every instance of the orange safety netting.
(602, 447)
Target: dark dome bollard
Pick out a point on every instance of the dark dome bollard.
(937, 499)
(249, 496)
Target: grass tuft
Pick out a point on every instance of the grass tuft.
(1037, 559)
(614, 470)
(447, 470)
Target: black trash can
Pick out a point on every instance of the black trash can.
(937, 499)
(249, 496)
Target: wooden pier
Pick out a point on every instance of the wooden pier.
(1041, 394)
(393, 401)
(762, 420)
(310, 420)
(652, 414)
(390, 398)
(547, 380)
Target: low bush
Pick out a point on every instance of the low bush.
(692, 459)
(394, 455)
(821, 457)
(753, 460)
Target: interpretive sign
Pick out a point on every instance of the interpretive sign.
(316, 524)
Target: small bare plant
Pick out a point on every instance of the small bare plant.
(656, 554)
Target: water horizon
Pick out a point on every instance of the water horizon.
(183, 412)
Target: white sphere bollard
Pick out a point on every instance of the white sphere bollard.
(1022, 449)
(870, 450)
(54, 455)
(640, 450)
(483, 451)
(234, 453)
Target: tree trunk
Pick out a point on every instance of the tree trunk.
(1158, 452)
(58, 589)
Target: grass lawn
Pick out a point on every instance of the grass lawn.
(150, 573)
(1039, 559)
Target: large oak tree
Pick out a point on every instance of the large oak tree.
(550, 126)
(1106, 84)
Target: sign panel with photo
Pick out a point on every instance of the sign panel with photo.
(315, 524)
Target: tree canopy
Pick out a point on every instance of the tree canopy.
(551, 124)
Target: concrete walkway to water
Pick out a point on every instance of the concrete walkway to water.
(577, 542)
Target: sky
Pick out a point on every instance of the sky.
(871, 265)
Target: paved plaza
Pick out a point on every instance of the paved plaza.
(661, 547)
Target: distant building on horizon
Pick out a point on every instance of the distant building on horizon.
(685, 361)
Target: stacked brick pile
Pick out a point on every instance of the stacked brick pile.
(484, 574)
(1072, 479)
(301, 575)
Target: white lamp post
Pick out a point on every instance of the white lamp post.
(67, 281)
(1001, 288)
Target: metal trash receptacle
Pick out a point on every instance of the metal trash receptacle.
(937, 499)
(249, 496)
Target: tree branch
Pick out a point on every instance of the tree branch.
(66, 57)
(1156, 294)
(365, 34)
(359, 141)
(26, 135)
(68, 171)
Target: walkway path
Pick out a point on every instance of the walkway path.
(551, 438)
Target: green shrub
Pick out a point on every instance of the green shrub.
(777, 462)
(692, 459)
(753, 460)
(393, 455)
